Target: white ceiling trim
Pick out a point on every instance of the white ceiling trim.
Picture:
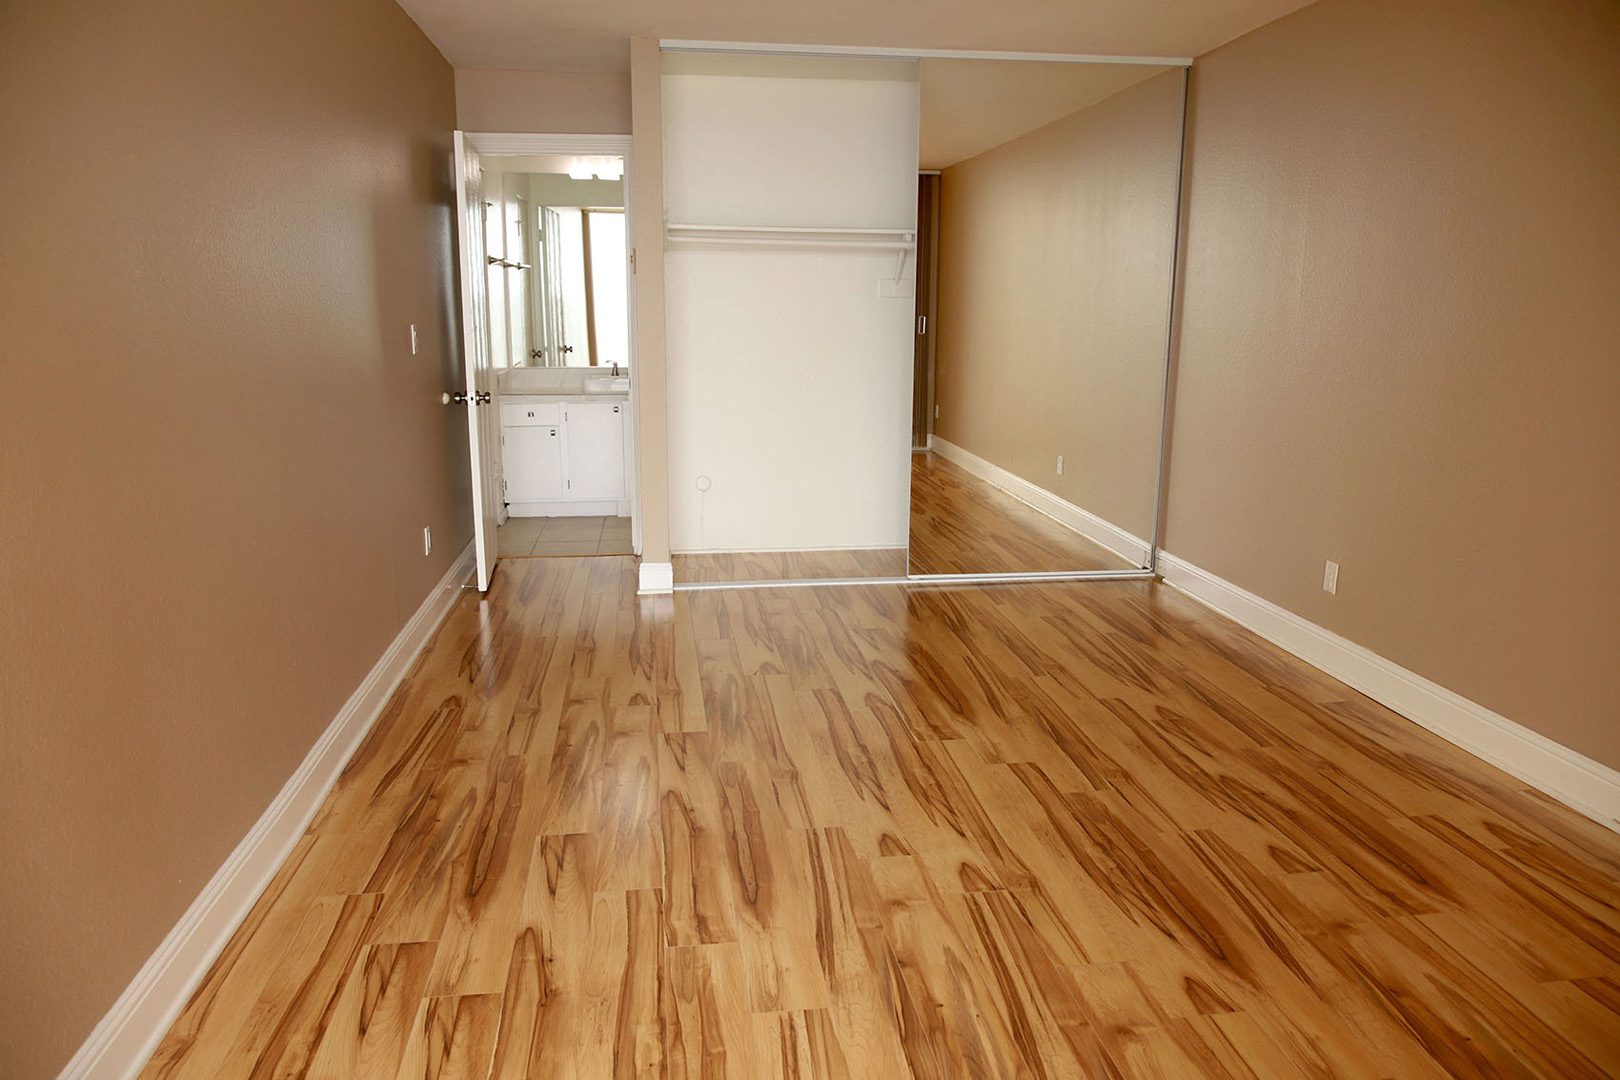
(684, 45)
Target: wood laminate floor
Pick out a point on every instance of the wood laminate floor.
(1054, 830)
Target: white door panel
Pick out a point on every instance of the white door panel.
(483, 433)
(595, 449)
(534, 464)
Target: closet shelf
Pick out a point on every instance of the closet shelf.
(904, 239)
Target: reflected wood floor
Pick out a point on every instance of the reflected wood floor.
(961, 524)
(1053, 830)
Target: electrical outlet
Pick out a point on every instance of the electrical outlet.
(413, 339)
(1330, 577)
(427, 540)
(1060, 465)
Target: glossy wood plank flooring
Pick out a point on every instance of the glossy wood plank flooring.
(961, 524)
(1055, 830)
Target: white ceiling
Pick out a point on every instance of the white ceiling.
(969, 106)
(593, 35)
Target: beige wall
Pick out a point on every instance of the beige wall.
(1401, 344)
(217, 453)
(1054, 285)
(545, 103)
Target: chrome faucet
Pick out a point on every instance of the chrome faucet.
(616, 372)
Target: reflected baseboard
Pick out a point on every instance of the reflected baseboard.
(1096, 529)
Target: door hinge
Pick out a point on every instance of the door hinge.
(632, 260)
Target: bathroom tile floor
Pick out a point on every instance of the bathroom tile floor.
(523, 537)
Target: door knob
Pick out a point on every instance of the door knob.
(458, 397)
(482, 398)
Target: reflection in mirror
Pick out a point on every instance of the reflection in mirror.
(1047, 220)
(555, 237)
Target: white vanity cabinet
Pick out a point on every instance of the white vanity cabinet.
(563, 457)
(595, 449)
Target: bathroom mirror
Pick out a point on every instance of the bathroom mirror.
(554, 233)
(1047, 233)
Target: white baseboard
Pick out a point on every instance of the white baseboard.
(131, 1030)
(657, 577)
(1081, 520)
(1568, 776)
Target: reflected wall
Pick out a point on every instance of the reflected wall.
(1054, 272)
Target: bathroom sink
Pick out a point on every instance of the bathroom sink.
(607, 384)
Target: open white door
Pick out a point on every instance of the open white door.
(482, 430)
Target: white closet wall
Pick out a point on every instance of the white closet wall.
(789, 365)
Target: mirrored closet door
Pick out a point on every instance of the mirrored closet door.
(1047, 213)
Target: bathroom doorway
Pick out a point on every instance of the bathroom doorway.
(550, 306)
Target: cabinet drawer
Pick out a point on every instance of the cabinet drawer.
(517, 414)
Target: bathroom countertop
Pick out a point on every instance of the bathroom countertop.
(533, 395)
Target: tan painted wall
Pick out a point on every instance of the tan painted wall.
(1401, 346)
(1054, 285)
(217, 453)
(543, 102)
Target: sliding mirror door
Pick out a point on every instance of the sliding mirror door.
(790, 201)
(1048, 201)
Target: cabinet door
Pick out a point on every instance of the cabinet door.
(595, 450)
(533, 460)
